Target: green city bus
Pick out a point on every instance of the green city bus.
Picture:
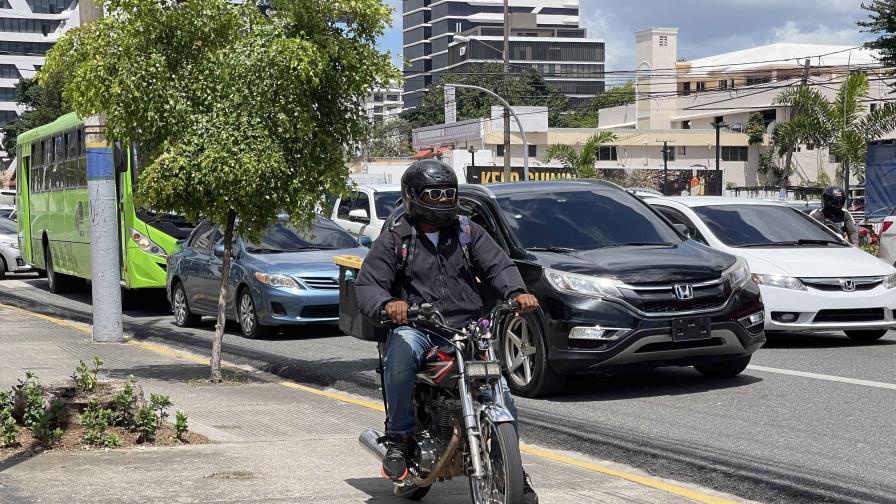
(54, 212)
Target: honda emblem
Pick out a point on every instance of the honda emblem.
(684, 291)
(848, 285)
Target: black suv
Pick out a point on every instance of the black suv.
(619, 286)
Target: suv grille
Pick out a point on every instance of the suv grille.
(854, 315)
(833, 284)
(660, 299)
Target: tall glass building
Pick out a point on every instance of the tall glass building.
(544, 34)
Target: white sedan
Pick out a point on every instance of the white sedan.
(10, 259)
(810, 279)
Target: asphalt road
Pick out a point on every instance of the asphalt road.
(809, 421)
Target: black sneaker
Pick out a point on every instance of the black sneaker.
(529, 495)
(395, 463)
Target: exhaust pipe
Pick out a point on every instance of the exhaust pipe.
(368, 440)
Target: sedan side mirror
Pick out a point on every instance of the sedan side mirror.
(219, 250)
(358, 215)
(365, 241)
(683, 229)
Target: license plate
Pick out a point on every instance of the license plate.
(691, 329)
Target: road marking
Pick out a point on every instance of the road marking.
(841, 379)
(647, 481)
(85, 328)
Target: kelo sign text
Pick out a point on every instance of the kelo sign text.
(495, 174)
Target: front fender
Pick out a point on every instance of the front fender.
(496, 413)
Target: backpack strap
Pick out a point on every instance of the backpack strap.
(405, 236)
(465, 238)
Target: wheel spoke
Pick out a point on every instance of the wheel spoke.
(514, 338)
(527, 368)
(517, 362)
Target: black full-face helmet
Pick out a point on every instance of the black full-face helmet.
(832, 199)
(429, 174)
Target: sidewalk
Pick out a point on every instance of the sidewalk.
(271, 441)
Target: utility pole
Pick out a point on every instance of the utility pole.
(665, 168)
(782, 189)
(105, 275)
(718, 125)
(507, 92)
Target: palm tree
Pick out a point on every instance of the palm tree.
(582, 162)
(843, 125)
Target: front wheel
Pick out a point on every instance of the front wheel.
(726, 369)
(525, 357)
(499, 450)
(183, 316)
(866, 336)
(248, 317)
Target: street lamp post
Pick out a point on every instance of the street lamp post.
(507, 129)
(472, 150)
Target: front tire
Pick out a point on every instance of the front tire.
(866, 336)
(57, 281)
(248, 316)
(726, 369)
(183, 316)
(502, 464)
(523, 352)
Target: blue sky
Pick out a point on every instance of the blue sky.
(706, 27)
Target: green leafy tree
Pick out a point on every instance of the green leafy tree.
(389, 139)
(755, 131)
(527, 88)
(614, 97)
(42, 102)
(583, 161)
(844, 126)
(882, 22)
(239, 114)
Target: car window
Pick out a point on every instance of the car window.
(205, 236)
(385, 202)
(345, 205)
(284, 237)
(758, 225)
(361, 202)
(480, 216)
(677, 217)
(583, 219)
(7, 226)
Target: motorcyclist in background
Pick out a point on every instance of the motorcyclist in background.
(832, 214)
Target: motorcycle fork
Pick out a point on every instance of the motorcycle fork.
(470, 422)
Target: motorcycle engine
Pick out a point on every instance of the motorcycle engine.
(427, 453)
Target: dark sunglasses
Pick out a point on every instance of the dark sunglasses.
(437, 194)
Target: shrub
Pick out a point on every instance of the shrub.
(95, 421)
(180, 425)
(31, 388)
(124, 405)
(48, 428)
(85, 378)
(160, 403)
(9, 429)
(145, 424)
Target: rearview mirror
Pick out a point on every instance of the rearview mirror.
(219, 250)
(683, 229)
(365, 241)
(358, 215)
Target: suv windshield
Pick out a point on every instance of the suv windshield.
(284, 237)
(763, 226)
(584, 220)
(385, 202)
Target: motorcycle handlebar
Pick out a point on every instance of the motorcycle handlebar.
(427, 311)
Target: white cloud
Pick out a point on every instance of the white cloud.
(801, 33)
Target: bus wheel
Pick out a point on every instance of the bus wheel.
(57, 281)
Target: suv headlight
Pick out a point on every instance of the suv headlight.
(890, 281)
(738, 274)
(145, 244)
(783, 282)
(277, 280)
(586, 285)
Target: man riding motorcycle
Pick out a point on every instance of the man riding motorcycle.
(430, 255)
(832, 213)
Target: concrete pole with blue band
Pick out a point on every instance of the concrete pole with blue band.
(105, 275)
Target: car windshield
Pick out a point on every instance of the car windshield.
(284, 237)
(385, 202)
(583, 220)
(7, 226)
(763, 226)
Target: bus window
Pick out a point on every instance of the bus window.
(71, 145)
(48, 152)
(59, 148)
(36, 155)
(82, 172)
(82, 150)
(34, 183)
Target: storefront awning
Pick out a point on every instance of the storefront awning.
(422, 154)
(442, 149)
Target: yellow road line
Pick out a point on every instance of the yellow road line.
(647, 481)
(64, 323)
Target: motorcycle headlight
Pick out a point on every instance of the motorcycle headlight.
(145, 244)
(586, 285)
(277, 280)
(738, 274)
(890, 281)
(783, 282)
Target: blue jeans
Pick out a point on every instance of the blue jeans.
(405, 348)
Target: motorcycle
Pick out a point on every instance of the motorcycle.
(463, 427)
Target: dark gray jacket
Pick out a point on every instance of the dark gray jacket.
(437, 275)
(846, 224)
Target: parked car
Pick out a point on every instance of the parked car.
(619, 287)
(10, 260)
(6, 211)
(644, 193)
(287, 277)
(363, 212)
(811, 279)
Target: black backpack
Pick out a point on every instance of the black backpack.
(404, 246)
